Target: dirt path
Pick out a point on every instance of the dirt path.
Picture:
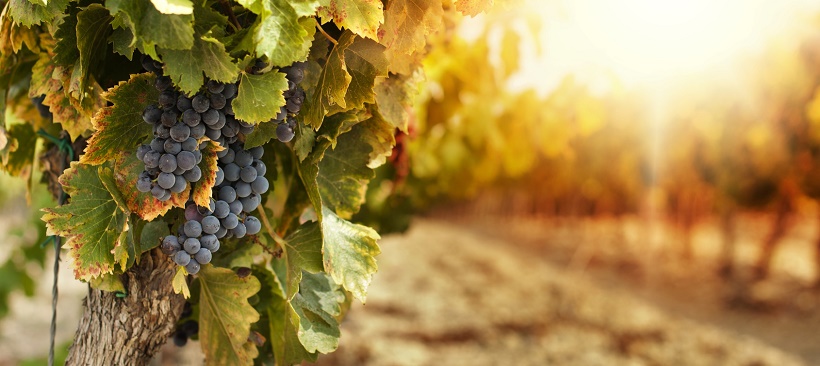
(452, 295)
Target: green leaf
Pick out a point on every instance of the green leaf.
(309, 167)
(92, 222)
(152, 28)
(362, 17)
(108, 282)
(28, 14)
(208, 56)
(304, 140)
(365, 62)
(93, 28)
(280, 34)
(303, 251)
(260, 97)
(152, 234)
(174, 6)
(261, 134)
(123, 42)
(53, 81)
(473, 7)
(331, 86)
(283, 322)
(381, 137)
(120, 127)
(349, 253)
(225, 316)
(65, 40)
(317, 303)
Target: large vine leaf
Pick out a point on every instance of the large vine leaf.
(283, 323)
(407, 24)
(350, 252)
(52, 81)
(65, 40)
(362, 17)
(28, 13)
(331, 85)
(365, 62)
(208, 56)
(92, 221)
(127, 169)
(152, 28)
(120, 127)
(394, 96)
(225, 316)
(260, 97)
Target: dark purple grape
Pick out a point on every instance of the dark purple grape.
(200, 103)
(183, 103)
(215, 86)
(239, 231)
(180, 340)
(180, 185)
(248, 174)
(252, 225)
(191, 245)
(172, 147)
(186, 160)
(220, 176)
(151, 114)
(182, 258)
(210, 224)
(162, 83)
(229, 91)
(190, 145)
(144, 183)
(284, 133)
(231, 172)
(230, 221)
(243, 158)
(192, 267)
(191, 213)
(192, 228)
(227, 194)
(210, 117)
(190, 328)
(251, 202)
(162, 132)
(191, 118)
(151, 159)
(260, 185)
(180, 132)
(236, 207)
(198, 131)
(213, 134)
(142, 150)
(257, 152)
(168, 118)
(260, 167)
(221, 209)
(158, 144)
(170, 245)
(243, 189)
(218, 101)
(166, 180)
(148, 64)
(203, 256)
(220, 234)
(167, 163)
(193, 175)
(167, 99)
(208, 241)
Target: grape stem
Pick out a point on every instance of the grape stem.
(227, 9)
(322, 30)
(280, 242)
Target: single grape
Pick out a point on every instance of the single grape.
(227, 194)
(191, 118)
(197, 156)
(183, 103)
(245, 130)
(213, 134)
(189, 144)
(200, 103)
(151, 159)
(257, 152)
(243, 158)
(239, 231)
(180, 185)
(157, 144)
(215, 86)
(250, 203)
(228, 157)
(144, 183)
(210, 117)
(261, 169)
(191, 245)
(194, 174)
(190, 328)
(236, 207)
(210, 224)
(221, 209)
(260, 185)
(172, 147)
(230, 221)
(142, 150)
(191, 213)
(180, 132)
(157, 191)
(170, 245)
(186, 160)
(198, 131)
(284, 133)
(231, 172)
(162, 82)
(218, 101)
(243, 189)
(151, 114)
(192, 267)
(167, 163)
(169, 118)
(182, 258)
(293, 105)
(193, 228)
(167, 99)
(147, 63)
(229, 91)
(166, 180)
(162, 132)
(228, 110)
(165, 196)
(208, 241)
(203, 256)
(252, 225)
(296, 72)
(248, 174)
(180, 340)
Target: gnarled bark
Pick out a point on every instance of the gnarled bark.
(129, 330)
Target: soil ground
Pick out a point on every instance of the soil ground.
(525, 291)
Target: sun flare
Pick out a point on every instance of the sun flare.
(650, 42)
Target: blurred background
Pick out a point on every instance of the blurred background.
(584, 182)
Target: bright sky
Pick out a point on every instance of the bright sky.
(653, 42)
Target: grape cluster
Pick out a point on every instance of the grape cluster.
(197, 240)
(240, 183)
(294, 97)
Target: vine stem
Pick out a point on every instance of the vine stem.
(322, 30)
(276, 238)
(227, 8)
